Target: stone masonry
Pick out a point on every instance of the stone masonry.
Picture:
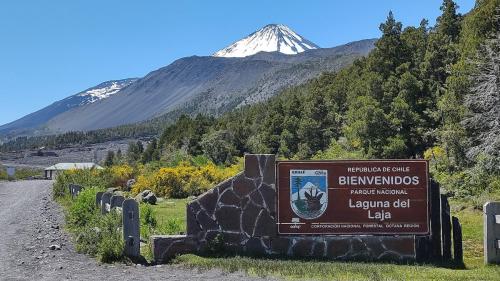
(238, 216)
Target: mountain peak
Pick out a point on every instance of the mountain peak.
(270, 38)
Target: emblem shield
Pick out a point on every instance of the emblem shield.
(308, 193)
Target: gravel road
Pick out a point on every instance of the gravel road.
(30, 222)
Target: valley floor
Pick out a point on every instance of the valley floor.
(87, 153)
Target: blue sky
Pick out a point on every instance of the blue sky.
(52, 49)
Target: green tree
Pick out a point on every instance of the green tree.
(133, 152)
(151, 153)
(118, 156)
(110, 157)
(449, 21)
(389, 51)
(219, 146)
(367, 126)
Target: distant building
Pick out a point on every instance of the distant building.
(52, 171)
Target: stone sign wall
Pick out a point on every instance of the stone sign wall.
(240, 216)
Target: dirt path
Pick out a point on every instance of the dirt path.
(30, 222)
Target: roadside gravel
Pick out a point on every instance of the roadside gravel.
(30, 222)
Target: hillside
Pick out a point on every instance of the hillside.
(249, 71)
(33, 123)
(220, 82)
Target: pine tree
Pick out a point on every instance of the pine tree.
(483, 124)
(110, 157)
(389, 51)
(449, 21)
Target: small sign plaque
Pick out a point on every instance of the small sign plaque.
(11, 171)
(353, 197)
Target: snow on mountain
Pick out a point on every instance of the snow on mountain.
(270, 38)
(104, 90)
(91, 95)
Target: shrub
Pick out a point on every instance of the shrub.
(84, 177)
(120, 174)
(148, 220)
(96, 235)
(83, 210)
(171, 226)
(219, 146)
(339, 150)
(87, 238)
(184, 180)
(111, 243)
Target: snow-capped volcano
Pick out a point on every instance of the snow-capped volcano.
(270, 38)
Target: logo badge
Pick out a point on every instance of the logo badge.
(308, 193)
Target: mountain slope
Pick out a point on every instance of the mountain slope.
(91, 95)
(207, 84)
(271, 38)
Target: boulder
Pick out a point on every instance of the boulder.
(146, 196)
(150, 198)
(130, 182)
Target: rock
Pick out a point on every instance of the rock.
(54, 247)
(150, 198)
(130, 182)
(147, 196)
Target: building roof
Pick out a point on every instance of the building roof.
(69, 166)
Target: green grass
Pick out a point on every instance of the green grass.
(172, 209)
(170, 215)
(324, 270)
(472, 227)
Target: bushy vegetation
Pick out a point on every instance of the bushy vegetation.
(101, 236)
(95, 234)
(100, 179)
(185, 179)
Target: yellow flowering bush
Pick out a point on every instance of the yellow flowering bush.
(184, 180)
(120, 174)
